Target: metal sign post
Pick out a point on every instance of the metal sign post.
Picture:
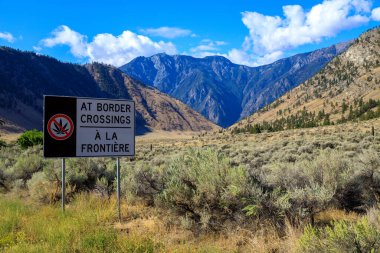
(63, 184)
(118, 187)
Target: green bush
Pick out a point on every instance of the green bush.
(311, 186)
(362, 189)
(144, 182)
(27, 167)
(3, 186)
(207, 188)
(24, 168)
(83, 174)
(342, 236)
(2, 143)
(41, 189)
(202, 185)
(30, 138)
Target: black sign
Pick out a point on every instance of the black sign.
(54, 106)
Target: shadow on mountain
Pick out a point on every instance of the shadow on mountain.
(25, 77)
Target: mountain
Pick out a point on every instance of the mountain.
(222, 91)
(25, 77)
(346, 89)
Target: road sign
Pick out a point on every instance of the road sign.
(88, 127)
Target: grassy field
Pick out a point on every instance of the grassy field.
(308, 190)
(86, 226)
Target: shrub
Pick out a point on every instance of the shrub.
(3, 185)
(342, 236)
(40, 188)
(83, 174)
(362, 190)
(144, 182)
(311, 186)
(24, 168)
(30, 138)
(2, 143)
(202, 186)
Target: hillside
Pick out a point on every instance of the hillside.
(346, 89)
(25, 77)
(222, 91)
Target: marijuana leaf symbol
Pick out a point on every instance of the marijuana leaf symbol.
(59, 128)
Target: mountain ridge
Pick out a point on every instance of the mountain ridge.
(25, 77)
(222, 91)
(346, 89)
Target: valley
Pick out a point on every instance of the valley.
(302, 174)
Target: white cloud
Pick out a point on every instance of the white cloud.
(63, 35)
(268, 58)
(125, 47)
(270, 36)
(37, 48)
(243, 57)
(240, 57)
(168, 32)
(107, 48)
(207, 47)
(200, 48)
(273, 33)
(220, 43)
(7, 36)
(376, 14)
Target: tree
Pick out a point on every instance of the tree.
(344, 107)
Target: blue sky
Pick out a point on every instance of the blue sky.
(245, 31)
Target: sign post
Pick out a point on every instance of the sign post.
(118, 187)
(88, 127)
(63, 184)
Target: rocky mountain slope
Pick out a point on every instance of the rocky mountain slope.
(25, 77)
(346, 89)
(222, 91)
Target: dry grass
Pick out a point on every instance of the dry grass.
(330, 215)
(166, 231)
(140, 220)
(9, 137)
(164, 136)
(177, 239)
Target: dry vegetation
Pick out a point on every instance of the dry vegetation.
(308, 190)
(305, 190)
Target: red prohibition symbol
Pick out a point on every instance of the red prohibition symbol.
(60, 127)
